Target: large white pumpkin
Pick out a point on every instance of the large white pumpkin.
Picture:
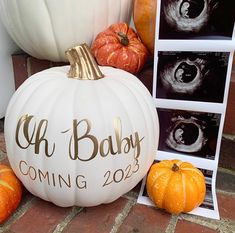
(47, 28)
(81, 142)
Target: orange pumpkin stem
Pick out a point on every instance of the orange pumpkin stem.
(175, 168)
(82, 64)
(123, 38)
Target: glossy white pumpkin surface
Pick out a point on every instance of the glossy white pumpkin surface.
(81, 142)
(47, 28)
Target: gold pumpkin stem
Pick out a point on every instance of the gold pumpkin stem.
(82, 64)
(175, 168)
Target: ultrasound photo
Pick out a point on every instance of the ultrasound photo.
(197, 19)
(208, 201)
(189, 133)
(195, 76)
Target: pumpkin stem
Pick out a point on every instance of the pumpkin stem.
(175, 168)
(123, 38)
(82, 64)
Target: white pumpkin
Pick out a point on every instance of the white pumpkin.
(81, 142)
(47, 28)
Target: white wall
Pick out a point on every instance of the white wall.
(7, 85)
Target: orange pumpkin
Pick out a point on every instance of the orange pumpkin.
(176, 186)
(120, 47)
(144, 16)
(10, 192)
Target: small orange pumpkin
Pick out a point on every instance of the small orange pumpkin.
(120, 47)
(10, 192)
(144, 17)
(176, 186)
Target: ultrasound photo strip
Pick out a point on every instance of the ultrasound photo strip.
(197, 19)
(194, 47)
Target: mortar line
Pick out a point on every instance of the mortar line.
(231, 194)
(64, 223)
(121, 216)
(3, 155)
(172, 224)
(206, 222)
(226, 170)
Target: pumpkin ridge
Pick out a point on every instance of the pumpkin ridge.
(153, 186)
(198, 194)
(199, 188)
(5, 170)
(183, 178)
(6, 185)
(167, 185)
(52, 27)
(192, 170)
(179, 164)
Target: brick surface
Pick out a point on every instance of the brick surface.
(145, 219)
(36, 65)
(229, 126)
(226, 205)
(25, 66)
(41, 218)
(226, 159)
(96, 219)
(20, 68)
(4, 159)
(2, 143)
(1, 125)
(186, 227)
(225, 181)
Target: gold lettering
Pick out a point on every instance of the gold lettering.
(68, 183)
(84, 183)
(105, 146)
(34, 175)
(102, 145)
(32, 139)
(127, 143)
(24, 120)
(136, 144)
(40, 138)
(75, 139)
(53, 179)
(44, 176)
(20, 167)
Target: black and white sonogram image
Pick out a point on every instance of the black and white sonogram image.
(197, 19)
(189, 133)
(195, 76)
(208, 201)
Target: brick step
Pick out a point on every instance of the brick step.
(123, 215)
